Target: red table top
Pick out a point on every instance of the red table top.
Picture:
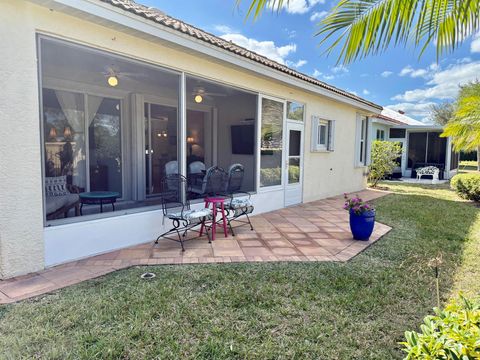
(215, 199)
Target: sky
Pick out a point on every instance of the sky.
(397, 78)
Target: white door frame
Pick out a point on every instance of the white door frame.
(293, 192)
(259, 142)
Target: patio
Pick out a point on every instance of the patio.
(315, 231)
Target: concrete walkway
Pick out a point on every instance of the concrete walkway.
(315, 231)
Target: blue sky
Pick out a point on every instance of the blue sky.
(396, 78)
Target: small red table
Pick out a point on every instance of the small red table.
(214, 201)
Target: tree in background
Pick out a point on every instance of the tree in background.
(442, 113)
(359, 28)
(464, 128)
(383, 160)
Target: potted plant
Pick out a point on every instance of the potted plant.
(362, 217)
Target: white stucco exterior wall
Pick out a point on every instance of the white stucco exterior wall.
(21, 203)
(21, 214)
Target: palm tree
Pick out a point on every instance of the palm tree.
(464, 128)
(359, 28)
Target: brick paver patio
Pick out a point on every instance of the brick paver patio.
(315, 231)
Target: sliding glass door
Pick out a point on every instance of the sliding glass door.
(105, 144)
(161, 156)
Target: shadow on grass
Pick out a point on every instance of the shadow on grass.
(354, 310)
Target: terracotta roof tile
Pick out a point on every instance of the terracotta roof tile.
(161, 18)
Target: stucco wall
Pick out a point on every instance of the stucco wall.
(21, 215)
(21, 224)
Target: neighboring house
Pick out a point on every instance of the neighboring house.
(421, 143)
(109, 95)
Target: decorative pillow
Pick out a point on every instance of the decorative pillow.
(56, 186)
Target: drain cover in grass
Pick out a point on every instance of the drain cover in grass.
(147, 276)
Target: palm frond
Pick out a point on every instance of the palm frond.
(464, 128)
(258, 6)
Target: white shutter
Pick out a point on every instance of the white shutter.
(331, 135)
(314, 141)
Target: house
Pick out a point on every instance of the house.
(421, 143)
(110, 95)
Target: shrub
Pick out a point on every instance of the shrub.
(384, 160)
(467, 186)
(270, 176)
(452, 333)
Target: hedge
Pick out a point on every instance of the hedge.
(467, 186)
(451, 334)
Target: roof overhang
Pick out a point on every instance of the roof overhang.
(107, 15)
(430, 127)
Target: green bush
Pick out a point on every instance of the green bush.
(270, 176)
(467, 186)
(384, 157)
(452, 333)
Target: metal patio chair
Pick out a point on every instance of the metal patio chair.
(176, 207)
(213, 183)
(238, 202)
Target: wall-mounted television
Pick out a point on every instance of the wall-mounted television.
(243, 139)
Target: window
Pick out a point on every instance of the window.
(362, 141)
(397, 133)
(322, 134)
(295, 111)
(271, 143)
(100, 134)
(380, 134)
(220, 131)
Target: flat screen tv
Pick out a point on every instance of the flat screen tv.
(243, 139)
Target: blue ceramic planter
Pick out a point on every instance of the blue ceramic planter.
(362, 225)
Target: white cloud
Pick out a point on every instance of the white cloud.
(386, 74)
(291, 33)
(316, 73)
(266, 48)
(423, 73)
(296, 64)
(352, 92)
(443, 84)
(416, 110)
(340, 69)
(475, 44)
(318, 15)
(224, 29)
(296, 6)
(328, 77)
(365, 92)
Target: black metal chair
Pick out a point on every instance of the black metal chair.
(238, 203)
(176, 207)
(213, 183)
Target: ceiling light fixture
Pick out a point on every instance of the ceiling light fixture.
(112, 80)
(198, 99)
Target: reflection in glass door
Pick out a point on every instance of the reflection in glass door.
(160, 145)
(294, 164)
(104, 144)
(271, 142)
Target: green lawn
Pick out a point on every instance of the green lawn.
(354, 310)
(468, 166)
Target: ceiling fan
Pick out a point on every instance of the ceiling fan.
(199, 93)
(112, 73)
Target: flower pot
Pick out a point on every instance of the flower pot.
(362, 224)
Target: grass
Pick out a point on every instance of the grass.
(468, 166)
(354, 310)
